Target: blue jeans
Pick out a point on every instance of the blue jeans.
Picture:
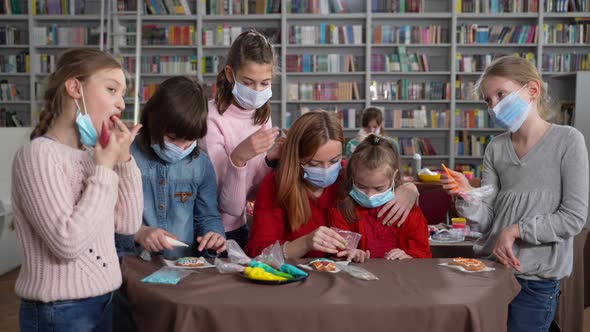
(90, 314)
(240, 235)
(534, 307)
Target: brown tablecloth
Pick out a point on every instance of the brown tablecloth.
(411, 295)
(574, 289)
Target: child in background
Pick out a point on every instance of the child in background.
(240, 135)
(69, 198)
(180, 195)
(372, 174)
(372, 123)
(539, 173)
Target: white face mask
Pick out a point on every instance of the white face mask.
(250, 99)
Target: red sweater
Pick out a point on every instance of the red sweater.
(270, 221)
(411, 237)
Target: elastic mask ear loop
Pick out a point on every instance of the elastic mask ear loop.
(83, 99)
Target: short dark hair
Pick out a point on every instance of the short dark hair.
(179, 108)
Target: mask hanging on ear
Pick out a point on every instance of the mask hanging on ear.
(86, 129)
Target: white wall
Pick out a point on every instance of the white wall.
(10, 140)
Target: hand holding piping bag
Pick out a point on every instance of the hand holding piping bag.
(454, 183)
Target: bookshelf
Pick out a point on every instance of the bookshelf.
(417, 61)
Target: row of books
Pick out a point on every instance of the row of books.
(170, 35)
(323, 91)
(471, 145)
(163, 64)
(65, 36)
(325, 33)
(568, 62)
(317, 7)
(8, 91)
(14, 63)
(66, 7)
(475, 118)
(465, 90)
(566, 34)
(44, 63)
(497, 6)
(167, 7)
(409, 34)
(565, 6)
(212, 64)
(349, 117)
(404, 89)
(224, 35)
(313, 63)
(397, 6)
(12, 36)
(12, 7)
(496, 34)
(478, 62)
(411, 145)
(402, 61)
(416, 118)
(242, 7)
(9, 118)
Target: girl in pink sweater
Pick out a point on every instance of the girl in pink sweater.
(240, 134)
(71, 194)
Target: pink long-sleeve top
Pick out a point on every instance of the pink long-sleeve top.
(66, 212)
(235, 185)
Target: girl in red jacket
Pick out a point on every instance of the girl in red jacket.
(372, 174)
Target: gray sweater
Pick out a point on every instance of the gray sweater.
(545, 193)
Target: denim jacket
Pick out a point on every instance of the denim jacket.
(180, 198)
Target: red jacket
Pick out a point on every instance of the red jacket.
(270, 221)
(411, 237)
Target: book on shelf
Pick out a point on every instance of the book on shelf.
(321, 63)
(416, 118)
(152, 34)
(497, 6)
(411, 145)
(474, 118)
(402, 61)
(224, 35)
(405, 89)
(15, 63)
(471, 145)
(11, 7)
(9, 91)
(566, 114)
(409, 34)
(10, 35)
(165, 7)
(496, 34)
(242, 7)
(467, 63)
(326, 34)
(348, 117)
(562, 33)
(322, 91)
(566, 62)
(397, 6)
(566, 6)
(65, 36)
(317, 7)
(66, 7)
(9, 118)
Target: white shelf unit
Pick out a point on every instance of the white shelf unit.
(441, 57)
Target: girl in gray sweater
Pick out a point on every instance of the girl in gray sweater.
(539, 173)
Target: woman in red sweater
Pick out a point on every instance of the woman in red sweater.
(292, 204)
(372, 174)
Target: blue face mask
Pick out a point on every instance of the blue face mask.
(510, 112)
(86, 129)
(373, 201)
(321, 177)
(250, 99)
(172, 153)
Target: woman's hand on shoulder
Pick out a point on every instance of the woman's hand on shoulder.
(398, 208)
(213, 241)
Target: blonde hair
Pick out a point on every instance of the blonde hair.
(307, 134)
(519, 70)
(373, 152)
(78, 63)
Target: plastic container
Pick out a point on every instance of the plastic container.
(460, 225)
(429, 178)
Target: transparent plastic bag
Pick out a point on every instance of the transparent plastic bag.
(235, 253)
(477, 194)
(352, 238)
(448, 236)
(272, 255)
(166, 276)
(227, 267)
(357, 272)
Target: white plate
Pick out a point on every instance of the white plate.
(173, 264)
(460, 268)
